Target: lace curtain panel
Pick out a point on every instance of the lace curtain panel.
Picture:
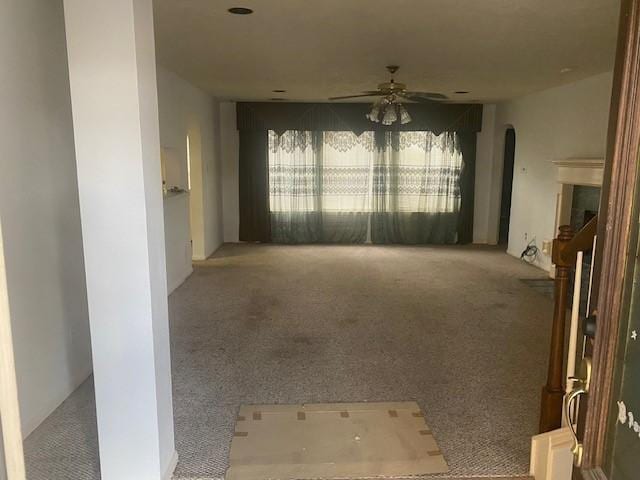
(389, 187)
(417, 188)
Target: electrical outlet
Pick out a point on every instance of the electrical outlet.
(526, 236)
(546, 247)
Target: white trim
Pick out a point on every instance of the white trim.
(9, 406)
(173, 463)
(35, 420)
(575, 162)
(171, 287)
(573, 330)
(213, 250)
(580, 171)
(551, 456)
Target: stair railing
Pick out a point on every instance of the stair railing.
(563, 256)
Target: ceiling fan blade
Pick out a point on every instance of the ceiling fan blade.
(431, 95)
(418, 99)
(373, 94)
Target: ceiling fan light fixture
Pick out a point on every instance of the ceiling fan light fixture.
(390, 115)
(404, 115)
(374, 114)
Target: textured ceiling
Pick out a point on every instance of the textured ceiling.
(496, 49)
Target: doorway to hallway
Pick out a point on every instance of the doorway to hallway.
(507, 185)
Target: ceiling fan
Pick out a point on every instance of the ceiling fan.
(389, 107)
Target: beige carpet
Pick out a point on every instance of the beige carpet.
(451, 328)
(333, 441)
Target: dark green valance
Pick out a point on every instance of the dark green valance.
(280, 117)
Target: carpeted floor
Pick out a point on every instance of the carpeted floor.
(452, 328)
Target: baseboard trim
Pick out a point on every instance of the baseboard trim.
(215, 248)
(551, 457)
(36, 419)
(180, 281)
(168, 474)
(200, 258)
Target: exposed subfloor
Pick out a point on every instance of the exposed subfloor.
(452, 328)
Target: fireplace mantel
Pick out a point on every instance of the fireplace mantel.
(571, 172)
(580, 171)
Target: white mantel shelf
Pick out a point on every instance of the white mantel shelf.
(580, 171)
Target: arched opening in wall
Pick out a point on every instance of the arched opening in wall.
(507, 185)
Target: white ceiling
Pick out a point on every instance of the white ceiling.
(496, 49)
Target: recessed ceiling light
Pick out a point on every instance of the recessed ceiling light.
(461, 92)
(566, 70)
(278, 91)
(240, 11)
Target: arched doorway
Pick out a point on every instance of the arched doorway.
(507, 185)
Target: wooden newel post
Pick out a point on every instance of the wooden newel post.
(553, 391)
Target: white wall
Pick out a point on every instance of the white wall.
(561, 122)
(39, 209)
(230, 173)
(212, 186)
(186, 110)
(177, 239)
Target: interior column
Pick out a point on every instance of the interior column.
(115, 115)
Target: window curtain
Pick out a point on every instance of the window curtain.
(254, 187)
(320, 186)
(417, 196)
(467, 142)
(336, 186)
(255, 119)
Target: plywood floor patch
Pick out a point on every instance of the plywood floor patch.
(330, 441)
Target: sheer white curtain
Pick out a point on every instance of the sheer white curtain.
(293, 172)
(326, 186)
(346, 160)
(418, 172)
(417, 188)
(320, 186)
